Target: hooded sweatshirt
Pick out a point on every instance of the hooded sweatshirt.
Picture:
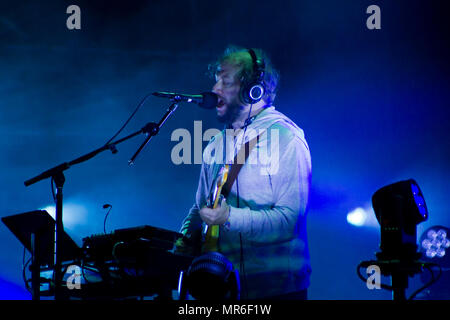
(265, 236)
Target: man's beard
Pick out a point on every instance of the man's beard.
(231, 114)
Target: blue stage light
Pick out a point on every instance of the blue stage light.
(435, 242)
(362, 217)
(357, 217)
(74, 214)
(399, 207)
(418, 198)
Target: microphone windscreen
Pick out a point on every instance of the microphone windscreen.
(210, 100)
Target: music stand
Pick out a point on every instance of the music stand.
(36, 231)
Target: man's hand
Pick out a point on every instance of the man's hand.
(217, 216)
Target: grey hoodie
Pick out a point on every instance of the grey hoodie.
(265, 236)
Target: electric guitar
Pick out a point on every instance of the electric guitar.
(211, 233)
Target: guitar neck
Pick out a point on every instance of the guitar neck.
(212, 234)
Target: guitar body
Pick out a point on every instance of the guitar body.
(212, 233)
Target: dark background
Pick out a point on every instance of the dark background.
(373, 105)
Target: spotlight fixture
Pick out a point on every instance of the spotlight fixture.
(434, 242)
(435, 247)
(210, 277)
(399, 208)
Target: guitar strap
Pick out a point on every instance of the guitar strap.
(243, 153)
(212, 235)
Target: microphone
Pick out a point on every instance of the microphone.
(206, 100)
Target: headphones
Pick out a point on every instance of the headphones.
(253, 90)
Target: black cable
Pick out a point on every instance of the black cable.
(82, 272)
(429, 283)
(106, 216)
(24, 269)
(24, 254)
(390, 288)
(248, 118)
(244, 275)
(89, 268)
(242, 260)
(53, 188)
(237, 192)
(129, 119)
(63, 273)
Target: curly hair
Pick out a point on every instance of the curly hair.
(240, 57)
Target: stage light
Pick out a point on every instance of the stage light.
(51, 210)
(362, 217)
(399, 207)
(74, 214)
(357, 217)
(211, 277)
(435, 248)
(434, 242)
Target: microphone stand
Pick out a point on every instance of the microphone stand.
(56, 173)
(152, 129)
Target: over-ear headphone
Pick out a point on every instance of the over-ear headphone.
(253, 89)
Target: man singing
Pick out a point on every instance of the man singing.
(262, 221)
